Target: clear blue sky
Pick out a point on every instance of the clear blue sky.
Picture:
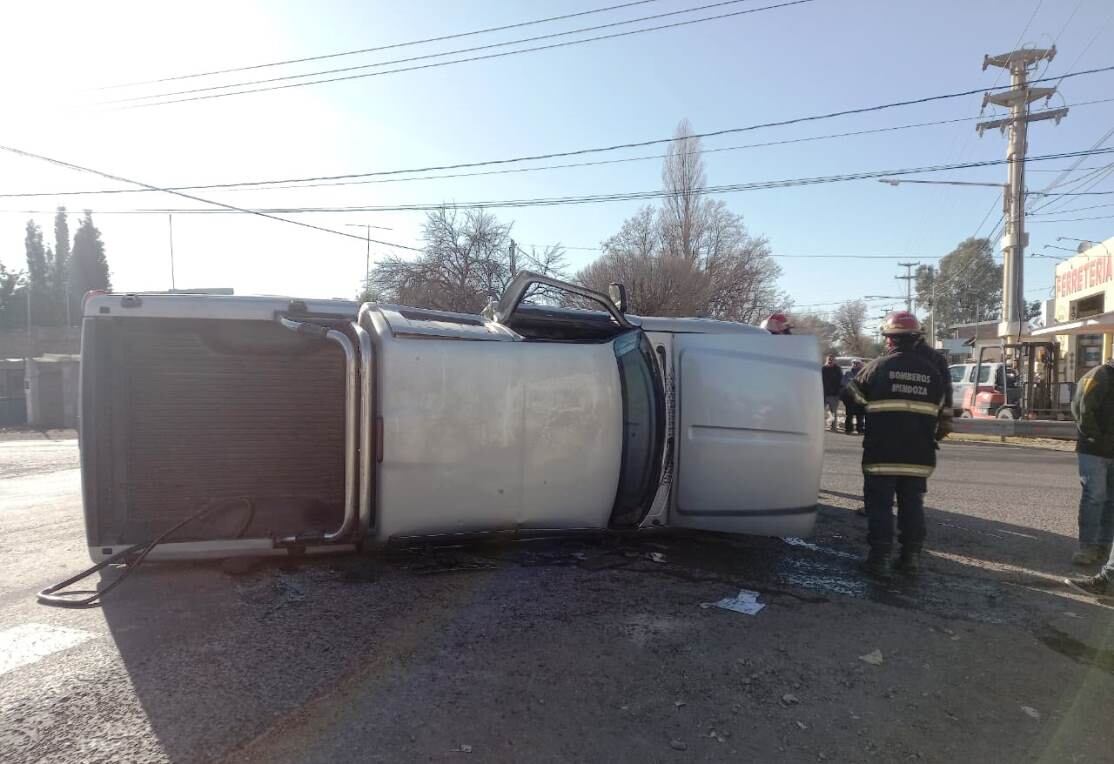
(818, 57)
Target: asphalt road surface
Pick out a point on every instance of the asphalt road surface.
(573, 651)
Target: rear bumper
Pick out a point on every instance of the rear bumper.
(219, 550)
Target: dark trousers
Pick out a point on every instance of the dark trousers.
(878, 495)
(855, 416)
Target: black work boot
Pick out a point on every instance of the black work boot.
(877, 564)
(909, 561)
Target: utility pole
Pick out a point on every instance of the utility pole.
(908, 279)
(1014, 238)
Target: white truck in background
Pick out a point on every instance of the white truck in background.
(316, 425)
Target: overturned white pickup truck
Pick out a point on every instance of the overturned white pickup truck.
(317, 424)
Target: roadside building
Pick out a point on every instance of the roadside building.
(52, 390)
(13, 405)
(964, 340)
(1082, 310)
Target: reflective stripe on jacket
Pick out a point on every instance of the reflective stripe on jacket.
(903, 393)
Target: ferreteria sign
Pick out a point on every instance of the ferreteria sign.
(1096, 270)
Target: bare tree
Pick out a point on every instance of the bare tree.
(850, 328)
(818, 326)
(741, 272)
(683, 209)
(658, 283)
(467, 259)
(694, 257)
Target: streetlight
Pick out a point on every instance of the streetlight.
(1092, 242)
(367, 258)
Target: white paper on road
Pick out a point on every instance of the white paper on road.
(29, 642)
(745, 602)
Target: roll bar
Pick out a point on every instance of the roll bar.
(367, 416)
(350, 413)
(516, 291)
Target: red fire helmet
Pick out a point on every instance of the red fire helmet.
(777, 323)
(900, 322)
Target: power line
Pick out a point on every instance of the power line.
(617, 147)
(1073, 209)
(297, 183)
(1086, 182)
(426, 56)
(773, 255)
(392, 46)
(468, 59)
(1076, 220)
(619, 196)
(1087, 47)
(109, 176)
(843, 302)
(1062, 178)
(1061, 169)
(660, 141)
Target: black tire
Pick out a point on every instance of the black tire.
(1006, 412)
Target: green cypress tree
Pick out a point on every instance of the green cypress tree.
(89, 263)
(60, 277)
(37, 274)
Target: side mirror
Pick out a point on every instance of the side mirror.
(618, 295)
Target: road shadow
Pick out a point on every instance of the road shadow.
(219, 655)
(990, 541)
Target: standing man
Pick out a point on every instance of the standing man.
(903, 393)
(854, 413)
(832, 377)
(1093, 410)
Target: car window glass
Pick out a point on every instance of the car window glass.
(957, 373)
(984, 374)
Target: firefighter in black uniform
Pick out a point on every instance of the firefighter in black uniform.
(904, 393)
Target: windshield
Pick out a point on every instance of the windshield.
(643, 428)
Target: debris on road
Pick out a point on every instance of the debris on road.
(464, 748)
(874, 657)
(678, 745)
(794, 541)
(789, 699)
(657, 557)
(745, 602)
(679, 704)
(451, 563)
(1031, 712)
(603, 562)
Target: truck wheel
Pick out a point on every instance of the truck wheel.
(966, 414)
(1006, 413)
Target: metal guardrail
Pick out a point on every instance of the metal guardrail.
(1023, 428)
